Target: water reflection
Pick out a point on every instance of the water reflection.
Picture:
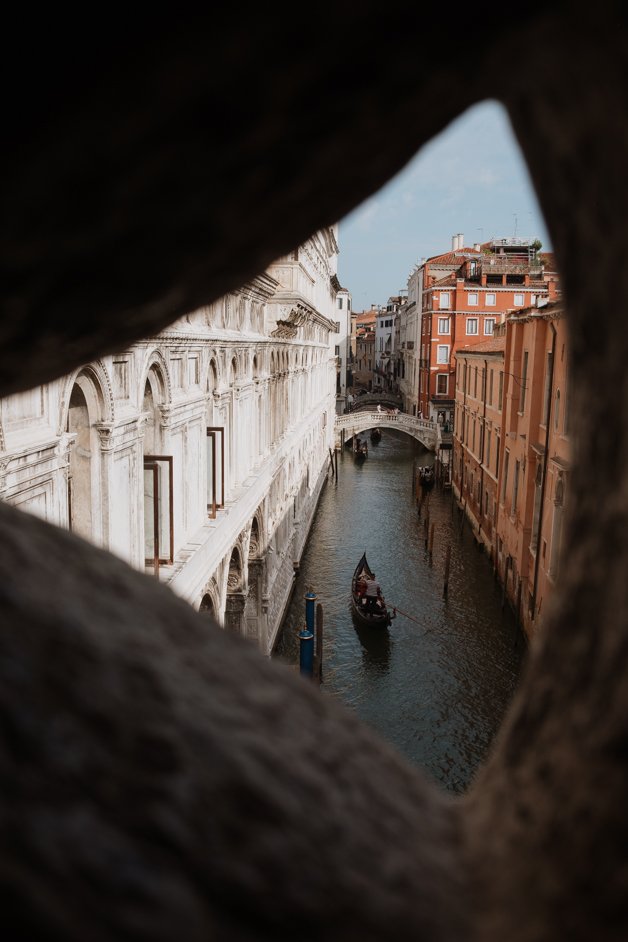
(437, 683)
(375, 644)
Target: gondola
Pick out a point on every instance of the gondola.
(381, 617)
(360, 450)
(376, 435)
(426, 477)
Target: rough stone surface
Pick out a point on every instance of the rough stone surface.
(159, 779)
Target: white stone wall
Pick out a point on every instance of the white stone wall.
(123, 444)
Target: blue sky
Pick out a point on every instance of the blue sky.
(471, 179)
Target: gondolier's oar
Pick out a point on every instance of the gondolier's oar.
(405, 614)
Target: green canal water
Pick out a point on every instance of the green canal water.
(437, 683)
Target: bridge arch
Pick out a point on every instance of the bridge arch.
(423, 430)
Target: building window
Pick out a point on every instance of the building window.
(489, 326)
(442, 384)
(524, 380)
(488, 450)
(443, 325)
(472, 325)
(490, 389)
(340, 304)
(519, 300)
(158, 511)
(557, 531)
(442, 353)
(548, 388)
(501, 390)
(491, 300)
(556, 409)
(536, 514)
(472, 299)
(505, 477)
(215, 470)
(475, 383)
(444, 300)
(515, 488)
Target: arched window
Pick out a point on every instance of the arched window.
(85, 410)
(158, 478)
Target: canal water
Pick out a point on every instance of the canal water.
(437, 683)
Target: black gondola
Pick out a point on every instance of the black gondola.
(376, 435)
(360, 450)
(378, 616)
(426, 477)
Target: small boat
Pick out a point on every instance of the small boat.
(360, 450)
(378, 615)
(426, 477)
(376, 435)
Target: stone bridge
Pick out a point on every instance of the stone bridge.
(346, 426)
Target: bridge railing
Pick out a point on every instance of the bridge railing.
(355, 419)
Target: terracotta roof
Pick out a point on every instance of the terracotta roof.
(447, 280)
(494, 345)
(453, 257)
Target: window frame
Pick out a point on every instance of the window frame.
(152, 463)
(439, 361)
(217, 484)
(444, 376)
(469, 321)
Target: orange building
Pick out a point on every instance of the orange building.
(465, 293)
(511, 452)
(535, 459)
(477, 433)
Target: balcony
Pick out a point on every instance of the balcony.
(509, 265)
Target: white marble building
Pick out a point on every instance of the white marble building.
(198, 455)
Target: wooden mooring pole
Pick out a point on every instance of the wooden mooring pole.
(318, 655)
(447, 564)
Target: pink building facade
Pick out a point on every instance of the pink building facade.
(512, 452)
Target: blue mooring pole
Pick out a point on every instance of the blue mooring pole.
(310, 599)
(306, 652)
(306, 637)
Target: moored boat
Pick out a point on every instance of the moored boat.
(360, 450)
(376, 435)
(426, 477)
(369, 610)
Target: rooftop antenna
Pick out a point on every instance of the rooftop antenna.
(481, 231)
(515, 215)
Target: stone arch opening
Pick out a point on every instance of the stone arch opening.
(236, 599)
(207, 606)
(85, 410)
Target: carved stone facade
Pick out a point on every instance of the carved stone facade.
(190, 454)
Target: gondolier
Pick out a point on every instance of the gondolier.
(373, 592)
(368, 603)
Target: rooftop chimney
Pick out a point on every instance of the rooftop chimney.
(454, 243)
(477, 246)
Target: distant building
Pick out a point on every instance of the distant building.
(363, 329)
(464, 293)
(384, 379)
(342, 349)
